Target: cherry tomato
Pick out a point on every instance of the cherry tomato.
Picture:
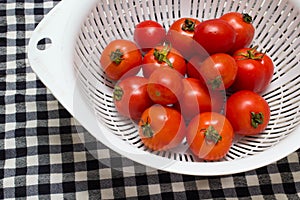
(255, 70)
(120, 58)
(196, 98)
(248, 112)
(131, 97)
(215, 36)
(193, 66)
(219, 71)
(165, 86)
(163, 56)
(161, 128)
(210, 136)
(148, 34)
(242, 24)
(180, 35)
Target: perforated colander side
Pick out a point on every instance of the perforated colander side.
(277, 33)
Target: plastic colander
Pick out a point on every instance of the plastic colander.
(76, 32)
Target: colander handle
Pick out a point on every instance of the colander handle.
(60, 36)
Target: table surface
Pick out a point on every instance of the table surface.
(42, 154)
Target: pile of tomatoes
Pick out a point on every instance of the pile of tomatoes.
(197, 80)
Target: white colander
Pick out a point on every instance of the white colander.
(76, 32)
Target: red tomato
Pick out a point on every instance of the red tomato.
(120, 58)
(196, 98)
(193, 66)
(248, 112)
(131, 97)
(242, 24)
(215, 36)
(180, 35)
(210, 136)
(161, 128)
(148, 34)
(165, 86)
(255, 70)
(219, 71)
(163, 56)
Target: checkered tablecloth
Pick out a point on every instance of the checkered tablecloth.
(42, 155)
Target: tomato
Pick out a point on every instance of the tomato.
(163, 56)
(215, 36)
(165, 86)
(219, 71)
(255, 70)
(161, 128)
(131, 97)
(180, 35)
(248, 112)
(197, 98)
(242, 24)
(193, 66)
(210, 136)
(148, 34)
(120, 58)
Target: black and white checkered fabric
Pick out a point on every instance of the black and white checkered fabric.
(42, 155)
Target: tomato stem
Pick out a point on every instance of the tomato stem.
(116, 56)
(146, 129)
(211, 134)
(216, 83)
(247, 18)
(256, 119)
(118, 93)
(188, 25)
(161, 55)
(252, 54)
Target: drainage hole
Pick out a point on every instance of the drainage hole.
(44, 44)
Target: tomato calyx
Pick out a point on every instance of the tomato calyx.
(216, 82)
(247, 18)
(211, 135)
(116, 56)
(252, 54)
(118, 93)
(161, 55)
(147, 129)
(256, 119)
(188, 25)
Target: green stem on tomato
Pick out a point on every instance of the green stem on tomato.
(161, 55)
(116, 56)
(211, 134)
(188, 25)
(147, 129)
(256, 119)
(247, 18)
(216, 83)
(118, 93)
(252, 54)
